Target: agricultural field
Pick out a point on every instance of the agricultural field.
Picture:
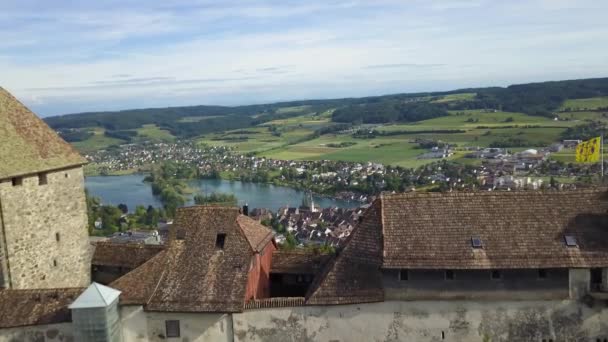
(586, 104)
(479, 128)
(97, 142)
(580, 117)
(455, 97)
(263, 138)
(153, 132)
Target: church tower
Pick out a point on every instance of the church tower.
(43, 216)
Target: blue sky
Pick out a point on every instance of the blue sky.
(69, 56)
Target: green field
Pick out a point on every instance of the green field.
(480, 128)
(455, 97)
(97, 142)
(586, 104)
(152, 132)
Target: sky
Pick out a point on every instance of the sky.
(65, 56)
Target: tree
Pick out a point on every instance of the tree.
(216, 198)
(123, 207)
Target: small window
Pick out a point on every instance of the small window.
(542, 273)
(403, 275)
(570, 241)
(172, 328)
(476, 242)
(57, 237)
(17, 181)
(219, 241)
(449, 275)
(66, 175)
(42, 179)
(496, 274)
(55, 262)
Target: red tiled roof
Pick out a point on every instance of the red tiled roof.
(123, 255)
(192, 275)
(354, 275)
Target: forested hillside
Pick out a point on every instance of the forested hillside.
(540, 99)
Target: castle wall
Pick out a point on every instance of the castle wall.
(138, 325)
(45, 231)
(427, 321)
(49, 333)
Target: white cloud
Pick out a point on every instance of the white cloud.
(231, 53)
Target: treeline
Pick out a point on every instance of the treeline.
(587, 131)
(534, 99)
(106, 219)
(388, 111)
(72, 135)
(213, 118)
(125, 134)
(541, 99)
(370, 134)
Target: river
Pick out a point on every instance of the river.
(132, 191)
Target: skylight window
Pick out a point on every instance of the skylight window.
(570, 241)
(476, 242)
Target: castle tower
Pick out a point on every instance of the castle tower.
(43, 220)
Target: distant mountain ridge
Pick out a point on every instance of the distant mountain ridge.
(532, 99)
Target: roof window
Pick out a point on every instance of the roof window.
(570, 241)
(476, 242)
(219, 241)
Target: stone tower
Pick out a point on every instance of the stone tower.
(43, 220)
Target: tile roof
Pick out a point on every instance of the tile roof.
(354, 276)
(28, 145)
(123, 254)
(522, 229)
(36, 307)
(192, 275)
(257, 234)
(298, 261)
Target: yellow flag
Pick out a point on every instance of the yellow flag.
(588, 151)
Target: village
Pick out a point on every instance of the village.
(309, 225)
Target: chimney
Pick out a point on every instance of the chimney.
(246, 209)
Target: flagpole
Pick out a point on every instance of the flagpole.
(602, 156)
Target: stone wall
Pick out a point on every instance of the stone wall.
(39, 333)
(427, 321)
(138, 325)
(518, 284)
(44, 228)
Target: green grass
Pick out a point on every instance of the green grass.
(455, 97)
(198, 118)
(585, 104)
(97, 142)
(579, 118)
(401, 149)
(155, 133)
(294, 109)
